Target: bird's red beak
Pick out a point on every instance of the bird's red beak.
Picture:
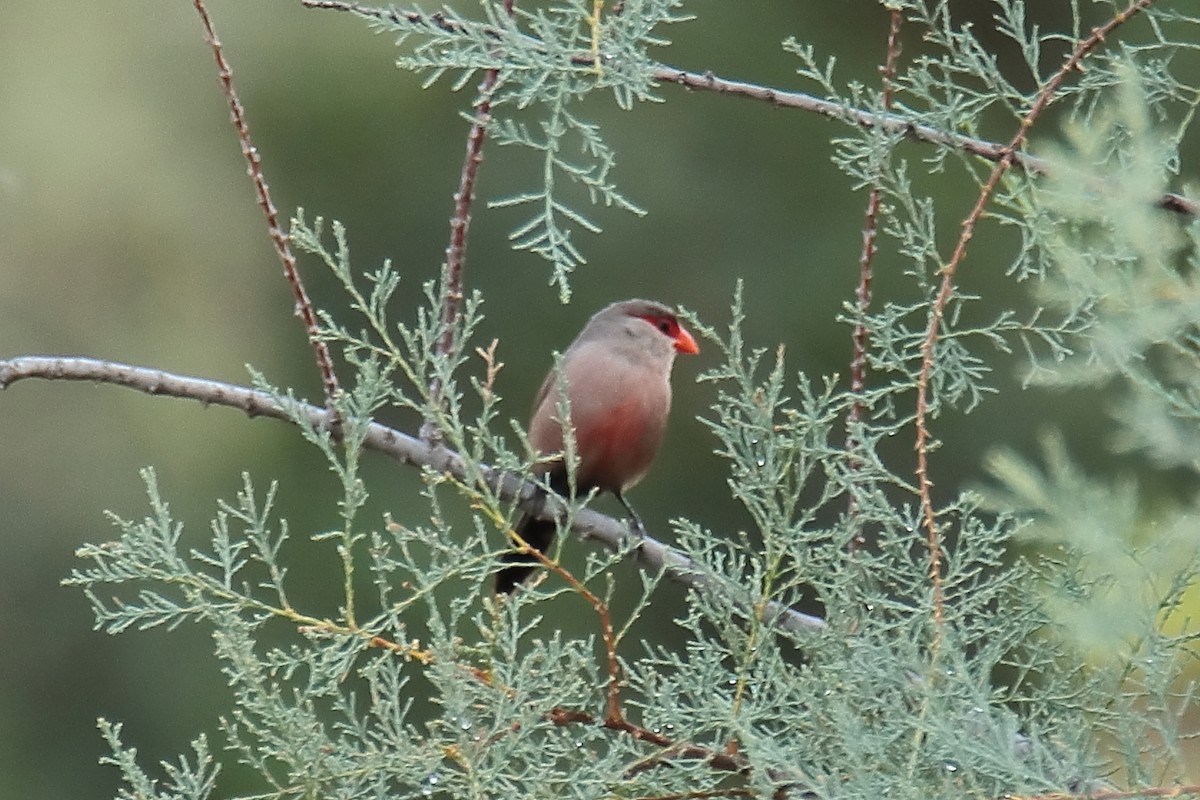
(686, 343)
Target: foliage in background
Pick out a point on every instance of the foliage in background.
(960, 675)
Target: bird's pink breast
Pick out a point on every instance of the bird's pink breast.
(617, 445)
(619, 411)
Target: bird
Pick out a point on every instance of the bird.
(618, 389)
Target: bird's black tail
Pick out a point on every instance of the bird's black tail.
(538, 533)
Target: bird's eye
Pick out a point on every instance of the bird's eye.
(664, 325)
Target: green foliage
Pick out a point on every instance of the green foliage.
(552, 58)
(970, 683)
(185, 781)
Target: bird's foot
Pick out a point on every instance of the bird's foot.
(635, 523)
(632, 542)
(636, 529)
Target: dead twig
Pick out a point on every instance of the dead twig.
(946, 290)
(460, 226)
(866, 260)
(304, 306)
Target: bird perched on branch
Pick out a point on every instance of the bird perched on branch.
(617, 378)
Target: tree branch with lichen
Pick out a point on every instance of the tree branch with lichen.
(588, 526)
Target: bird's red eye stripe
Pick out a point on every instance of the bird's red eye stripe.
(667, 325)
(670, 327)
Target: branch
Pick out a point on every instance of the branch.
(651, 555)
(614, 717)
(866, 259)
(304, 306)
(888, 123)
(460, 226)
(858, 365)
(780, 98)
(946, 291)
(670, 749)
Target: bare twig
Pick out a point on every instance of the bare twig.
(701, 795)
(460, 225)
(946, 290)
(709, 82)
(889, 123)
(304, 307)
(388, 14)
(670, 749)
(858, 363)
(588, 525)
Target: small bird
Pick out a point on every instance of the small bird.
(618, 389)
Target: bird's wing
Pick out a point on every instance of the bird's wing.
(547, 385)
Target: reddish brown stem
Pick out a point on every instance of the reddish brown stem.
(304, 307)
(946, 291)
(858, 364)
(671, 749)
(614, 717)
(460, 226)
(700, 794)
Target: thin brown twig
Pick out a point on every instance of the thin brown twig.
(671, 749)
(699, 795)
(858, 363)
(946, 291)
(388, 14)
(889, 123)
(613, 715)
(460, 226)
(562, 717)
(304, 306)
(594, 24)
(614, 718)
(709, 82)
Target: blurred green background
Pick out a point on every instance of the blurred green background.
(128, 231)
